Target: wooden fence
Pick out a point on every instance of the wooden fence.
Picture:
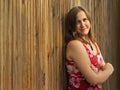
(32, 39)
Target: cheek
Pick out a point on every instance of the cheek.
(88, 24)
(77, 27)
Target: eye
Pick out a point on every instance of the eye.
(85, 19)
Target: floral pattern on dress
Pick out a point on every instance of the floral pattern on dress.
(76, 79)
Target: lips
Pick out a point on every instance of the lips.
(83, 29)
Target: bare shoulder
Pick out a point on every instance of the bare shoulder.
(74, 48)
(74, 44)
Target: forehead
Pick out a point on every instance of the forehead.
(80, 15)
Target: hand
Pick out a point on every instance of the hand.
(109, 67)
(101, 65)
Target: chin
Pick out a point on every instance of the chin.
(84, 34)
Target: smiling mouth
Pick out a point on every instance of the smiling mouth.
(83, 29)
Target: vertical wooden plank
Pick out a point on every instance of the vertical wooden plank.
(16, 64)
(1, 42)
(45, 81)
(118, 45)
(6, 63)
(28, 45)
(55, 30)
(25, 28)
(50, 45)
(63, 73)
(14, 46)
(41, 27)
(113, 42)
(118, 51)
(20, 78)
(21, 40)
(53, 49)
(40, 67)
(34, 35)
(10, 34)
(92, 14)
(19, 48)
(41, 45)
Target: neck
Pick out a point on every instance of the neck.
(86, 39)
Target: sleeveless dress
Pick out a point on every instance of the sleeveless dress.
(76, 80)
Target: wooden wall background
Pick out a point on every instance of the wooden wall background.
(32, 36)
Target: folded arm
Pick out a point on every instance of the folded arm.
(77, 52)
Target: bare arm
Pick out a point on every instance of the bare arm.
(77, 52)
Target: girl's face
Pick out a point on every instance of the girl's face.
(82, 24)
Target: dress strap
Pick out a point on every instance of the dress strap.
(96, 47)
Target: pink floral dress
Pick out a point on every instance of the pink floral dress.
(76, 79)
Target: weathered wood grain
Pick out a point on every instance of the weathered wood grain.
(32, 40)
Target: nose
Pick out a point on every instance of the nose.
(82, 24)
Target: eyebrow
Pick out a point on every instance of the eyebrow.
(82, 19)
